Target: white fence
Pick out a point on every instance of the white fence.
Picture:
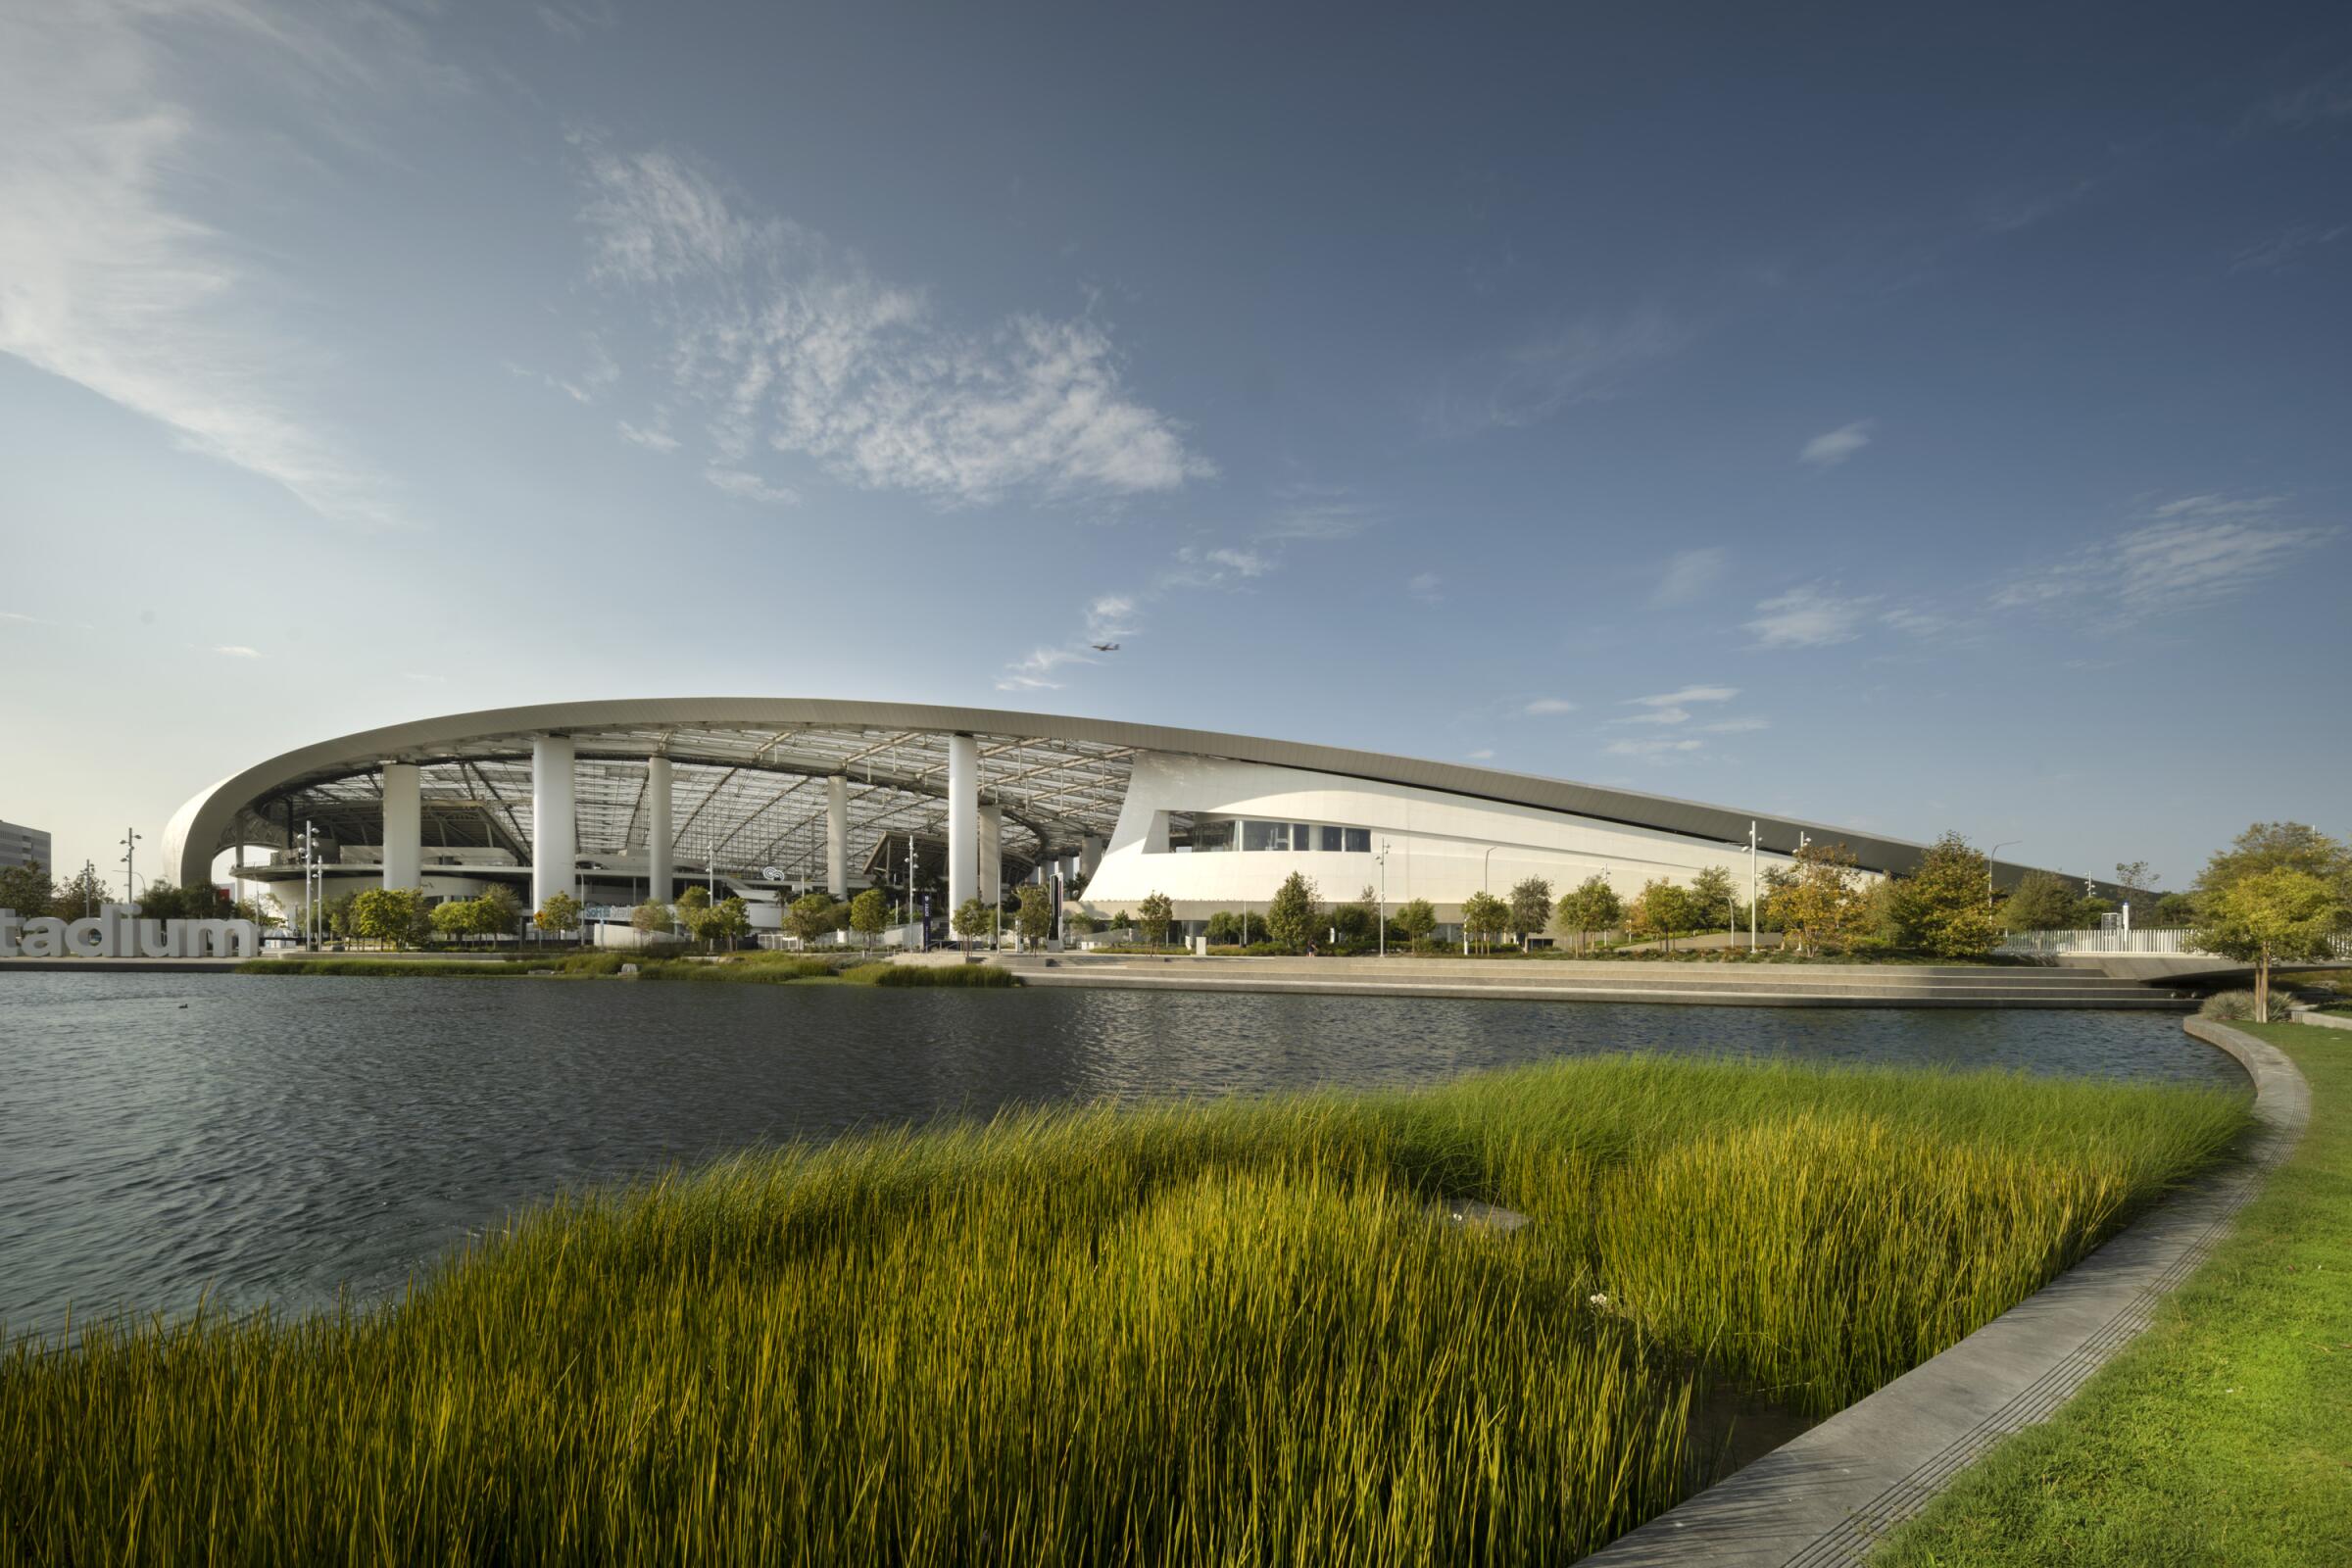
(2163, 943)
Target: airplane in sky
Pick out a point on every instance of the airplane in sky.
(1104, 648)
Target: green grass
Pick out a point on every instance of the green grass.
(2223, 1434)
(1238, 1331)
(752, 968)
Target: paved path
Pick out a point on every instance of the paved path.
(1826, 1498)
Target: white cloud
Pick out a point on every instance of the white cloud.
(2284, 248)
(2190, 553)
(237, 651)
(1544, 706)
(1832, 447)
(780, 336)
(1423, 585)
(751, 487)
(1485, 754)
(2329, 98)
(1736, 726)
(111, 278)
(1669, 707)
(1587, 360)
(1810, 616)
(1111, 615)
(1316, 513)
(1690, 574)
(655, 440)
(1653, 747)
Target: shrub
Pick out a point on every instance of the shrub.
(976, 977)
(2237, 1007)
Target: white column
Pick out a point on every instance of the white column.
(404, 852)
(992, 854)
(661, 858)
(1090, 854)
(555, 841)
(837, 836)
(963, 820)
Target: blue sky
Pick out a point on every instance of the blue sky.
(1909, 419)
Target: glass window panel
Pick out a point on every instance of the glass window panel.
(1330, 839)
(1260, 835)
(1302, 836)
(1213, 833)
(1359, 841)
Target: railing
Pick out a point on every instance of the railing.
(2168, 941)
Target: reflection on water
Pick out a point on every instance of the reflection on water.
(275, 1139)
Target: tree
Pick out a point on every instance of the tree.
(1712, 894)
(1940, 909)
(653, 919)
(811, 917)
(497, 912)
(2174, 909)
(729, 919)
(1154, 912)
(1081, 923)
(1531, 908)
(1484, 918)
(561, 913)
(869, 912)
(1591, 905)
(970, 919)
(2042, 902)
(1357, 924)
(26, 890)
(2280, 845)
(394, 916)
(1664, 908)
(2137, 875)
(1294, 917)
(1821, 896)
(453, 917)
(2280, 912)
(1033, 922)
(1415, 919)
(79, 895)
(693, 911)
(1224, 929)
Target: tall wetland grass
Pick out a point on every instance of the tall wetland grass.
(1230, 1332)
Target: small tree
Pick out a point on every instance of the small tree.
(455, 919)
(1940, 909)
(26, 890)
(1663, 909)
(1821, 896)
(2279, 913)
(496, 914)
(729, 921)
(811, 917)
(1531, 908)
(1484, 918)
(2043, 903)
(653, 919)
(2137, 875)
(393, 916)
(1591, 905)
(77, 895)
(1294, 917)
(1713, 896)
(2281, 846)
(1224, 928)
(1082, 925)
(869, 912)
(559, 912)
(693, 911)
(1154, 912)
(1415, 920)
(970, 919)
(1033, 922)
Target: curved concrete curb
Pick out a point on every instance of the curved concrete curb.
(1828, 1496)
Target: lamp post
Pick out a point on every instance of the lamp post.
(1755, 892)
(1382, 860)
(130, 851)
(2006, 844)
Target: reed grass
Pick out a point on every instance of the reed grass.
(749, 968)
(1238, 1331)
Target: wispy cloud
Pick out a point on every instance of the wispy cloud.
(653, 440)
(1810, 616)
(1690, 576)
(1673, 708)
(235, 651)
(1736, 726)
(2286, 248)
(1545, 707)
(2327, 98)
(1558, 365)
(1424, 586)
(780, 336)
(1653, 747)
(1485, 754)
(1832, 447)
(115, 280)
(2190, 553)
(751, 487)
(2004, 212)
(1316, 514)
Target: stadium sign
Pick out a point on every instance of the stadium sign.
(115, 931)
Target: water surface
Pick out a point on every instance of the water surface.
(269, 1139)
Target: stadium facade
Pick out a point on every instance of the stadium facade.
(618, 802)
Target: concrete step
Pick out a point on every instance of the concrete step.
(1856, 996)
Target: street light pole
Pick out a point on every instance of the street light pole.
(1382, 858)
(130, 851)
(2006, 844)
(1754, 887)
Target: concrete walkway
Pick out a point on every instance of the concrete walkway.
(1826, 1498)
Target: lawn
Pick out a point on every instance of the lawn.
(2225, 1433)
(1241, 1330)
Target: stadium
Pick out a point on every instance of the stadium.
(616, 803)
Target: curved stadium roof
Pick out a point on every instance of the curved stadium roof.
(744, 767)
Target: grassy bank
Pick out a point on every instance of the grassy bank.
(752, 968)
(2225, 1433)
(1236, 1331)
